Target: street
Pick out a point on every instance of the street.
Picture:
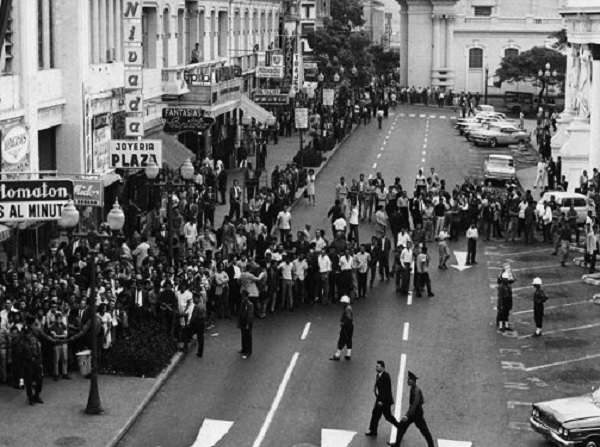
(449, 340)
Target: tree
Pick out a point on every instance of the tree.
(526, 65)
(384, 61)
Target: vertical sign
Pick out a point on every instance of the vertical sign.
(134, 61)
(289, 52)
(297, 73)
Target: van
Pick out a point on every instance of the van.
(564, 199)
(517, 102)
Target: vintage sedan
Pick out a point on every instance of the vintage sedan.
(500, 135)
(499, 167)
(571, 422)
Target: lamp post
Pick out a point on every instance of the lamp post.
(547, 77)
(187, 173)
(487, 76)
(69, 220)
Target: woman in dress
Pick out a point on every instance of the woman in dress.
(310, 187)
(106, 321)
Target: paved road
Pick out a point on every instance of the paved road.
(448, 340)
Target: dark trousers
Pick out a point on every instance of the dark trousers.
(384, 266)
(345, 339)
(405, 279)
(384, 410)
(198, 329)
(538, 315)
(247, 341)
(471, 250)
(373, 269)
(362, 284)
(592, 260)
(32, 372)
(419, 421)
(234, 209)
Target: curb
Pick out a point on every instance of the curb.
(162, 378)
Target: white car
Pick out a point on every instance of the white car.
(564, 199)
(499, 167)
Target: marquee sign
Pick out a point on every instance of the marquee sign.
(135, 154)
(134, 60)
(88, 193)
(180, 120)
(33, 199)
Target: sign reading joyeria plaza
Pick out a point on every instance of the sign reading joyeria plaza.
(33, 199)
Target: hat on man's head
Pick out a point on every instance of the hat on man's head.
(412, 376)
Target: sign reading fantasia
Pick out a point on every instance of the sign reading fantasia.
(134, 100)
(33, 199)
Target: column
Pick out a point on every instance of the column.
(119, 31)
(102, 34)
(595, 108)
(111, 25)
(404, 47)
(436, 41)
(449, 42)
(95, 32)
(46, 33)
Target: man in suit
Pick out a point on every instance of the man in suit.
(383, 399)
(235, 200)
(268, 212)
(374, 251)
(384, 256)
(414, 414)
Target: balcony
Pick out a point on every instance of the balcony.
(173, 81)
(214, 94)
(508, 24)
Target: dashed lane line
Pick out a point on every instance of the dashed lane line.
(305, 331)
(374, 165)
(405, 332)
(399, 390)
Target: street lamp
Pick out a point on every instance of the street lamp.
(336, 77)
(69, 220)
(320, 77)
(187, 173)
(547, 77)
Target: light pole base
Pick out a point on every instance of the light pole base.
(93, 404)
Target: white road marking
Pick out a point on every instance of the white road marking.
(409, 299)
(564, 362)
(453, 118)
(412, 115)
(569, 329)
(447, 443)
(424, 152)
(526, 269)
(549, 285)
(541, 250)
(305, 331)
(442, 117)
(521, 312)
(211, 431)
(336, 438)
(422, 115)
(512, 404)
(384, 143)
(378, 155)
(405, 332)
(432, 116)
(461, 261)
(282, 386)
(374, 165)
(425, 140)
(402, 115)
(399, 390)
(387, 137)
(423, 161)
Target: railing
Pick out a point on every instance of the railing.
(501, 22)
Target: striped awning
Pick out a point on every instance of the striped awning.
(5, 233)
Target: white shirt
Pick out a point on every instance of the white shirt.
(547, 216)
(362, 259)
(320, 244)
(403, 239)
(345, 263)
(472, 233)
(324, 264)
(340, 224)
(284, 219)
(354, 216)
(286, 270)
(406, 257)
(299, 269)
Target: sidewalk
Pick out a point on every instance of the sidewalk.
(61, 420)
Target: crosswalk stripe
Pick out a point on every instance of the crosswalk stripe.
(336, 438)
(422, 115)
(442, 117)
(412, 115)
(432, 116)
(446, 443)
(211, 432)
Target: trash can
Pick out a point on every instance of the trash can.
(84, 360)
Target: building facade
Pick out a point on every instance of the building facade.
(578, 135)
(454, 44)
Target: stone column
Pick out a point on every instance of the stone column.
(449, 41)
(595, 108)
(111, 25)
(102, 33)
(404, 47)
(436, 41)
(119, 31)
(45, 12)
(95, 56)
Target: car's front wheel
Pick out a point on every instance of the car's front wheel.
(493, 142)
(592, 442)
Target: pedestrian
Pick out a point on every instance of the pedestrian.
(406, 258)
(198, 321)
(565, 242)
(245, 322)
(422, 273)
(346, 331)
(540, 178)
(310, 187)
(472, 236)
(591, 251)
(444, 251)
(380, 117)
(539, 298)
(504, 302)
(235, 200)
(59, 331)
(384, 400)
(28, 353)
(414, 414)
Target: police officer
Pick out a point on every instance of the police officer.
(504, 303)
(414, 414)
(539, 298)
(346, 330)
(245, 322)
(28, 350)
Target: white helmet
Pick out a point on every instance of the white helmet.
(537, 281)
(505, 275)
(345, 299)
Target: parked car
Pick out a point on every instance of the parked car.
(564, 199)
(500, 135)
(480, 123)
(499, 167)
(572, 422)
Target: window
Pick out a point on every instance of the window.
(106, 30)
(482, 11)
(511, 52)
(7, 56)
(45, 34)
(475, 58)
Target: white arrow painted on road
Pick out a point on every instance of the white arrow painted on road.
(336, 438)
(446, 443)
(211, 432)
(461, 259)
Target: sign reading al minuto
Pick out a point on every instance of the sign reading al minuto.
(33, 199)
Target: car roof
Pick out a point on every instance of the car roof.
(563, 194)
(500, 157)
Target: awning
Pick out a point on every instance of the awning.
(174, 153)
(4, 233)
(109, 178)
(250, 108)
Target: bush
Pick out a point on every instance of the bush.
(309, 158)
(142, 352)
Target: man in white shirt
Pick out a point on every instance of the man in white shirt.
(324, 270)
(403, 238)
(286, 268)
(541, 174)
(299, 274)
(406, 259)
(185, 307)
(362, 260)
(319, 241)
(284, 223)
(340, 225)
(472, 236)
(190, 232)
(345, 278)
(141, 252)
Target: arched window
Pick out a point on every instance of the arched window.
(475, 58)
(511, 52)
